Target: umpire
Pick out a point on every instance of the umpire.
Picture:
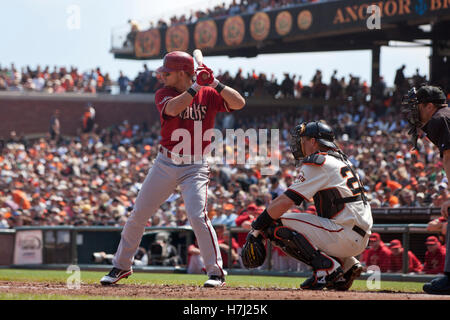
(426, 108)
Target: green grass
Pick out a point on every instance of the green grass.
(140, 278)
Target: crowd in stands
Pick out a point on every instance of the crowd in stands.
(56, 80)
(94, 178)
(383, 257)
(251, 84)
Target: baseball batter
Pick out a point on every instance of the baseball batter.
(329, 241)
(184, 105)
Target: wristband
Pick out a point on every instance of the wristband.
(263, 221)
(196, 87)
(192, 92)
(219, 87)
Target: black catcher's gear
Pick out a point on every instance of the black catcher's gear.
(254, 251)
(410, 107)
(297, 246)
(316, 129)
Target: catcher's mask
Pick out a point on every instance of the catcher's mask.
(316, 129)
(410, 106)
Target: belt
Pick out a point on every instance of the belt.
(359, 231)
(176, 157)
(166, 152)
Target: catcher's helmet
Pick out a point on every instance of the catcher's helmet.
(177, 61)
(315, 129)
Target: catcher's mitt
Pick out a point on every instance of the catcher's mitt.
(254, 251)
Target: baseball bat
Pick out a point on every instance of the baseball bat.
(198, 56)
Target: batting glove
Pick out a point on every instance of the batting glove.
(205, 76)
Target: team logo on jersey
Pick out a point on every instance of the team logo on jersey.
(301, 177)
(194, 112)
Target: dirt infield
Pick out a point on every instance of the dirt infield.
(181, 292)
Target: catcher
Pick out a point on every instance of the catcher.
(329, 241)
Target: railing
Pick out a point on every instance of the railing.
(67, 240)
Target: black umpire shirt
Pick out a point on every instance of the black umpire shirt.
(438, 129)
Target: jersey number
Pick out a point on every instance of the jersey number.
(352, 181)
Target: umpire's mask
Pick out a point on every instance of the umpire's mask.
(315, 129)
(410, 106)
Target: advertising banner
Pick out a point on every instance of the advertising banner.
(28, 247)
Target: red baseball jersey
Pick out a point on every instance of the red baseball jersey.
(204, 107)
(434, 262)
(380, 257)
(414, 265)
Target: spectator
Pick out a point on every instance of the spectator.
(131, 36)
(229, 210)
(195, 263)
(287, 86)
(396, 264)
(123, 83)
(181, 218)
(88, 122)
(275, 188)
(434, 257)
(399, 80)
(223, 238)
(386, 181)
(438, 225)
(55, 127)
(378, 254)
(389, 200)
(162, 253)
(141, 257)
(407, 199)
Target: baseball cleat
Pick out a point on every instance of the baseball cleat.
(214, 282)
(115, 275)
(440, 285)
(345, 282)
(321, 279)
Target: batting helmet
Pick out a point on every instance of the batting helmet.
(177, 61)
(315, 129)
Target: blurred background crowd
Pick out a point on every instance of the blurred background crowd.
(250, 84)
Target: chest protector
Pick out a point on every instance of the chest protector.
(329, 202)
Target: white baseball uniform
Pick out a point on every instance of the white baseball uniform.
(338, 228)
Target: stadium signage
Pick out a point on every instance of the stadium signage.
(359, 12)
(262, 31)
(390, 8)
(439, 4)
(28, 247)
